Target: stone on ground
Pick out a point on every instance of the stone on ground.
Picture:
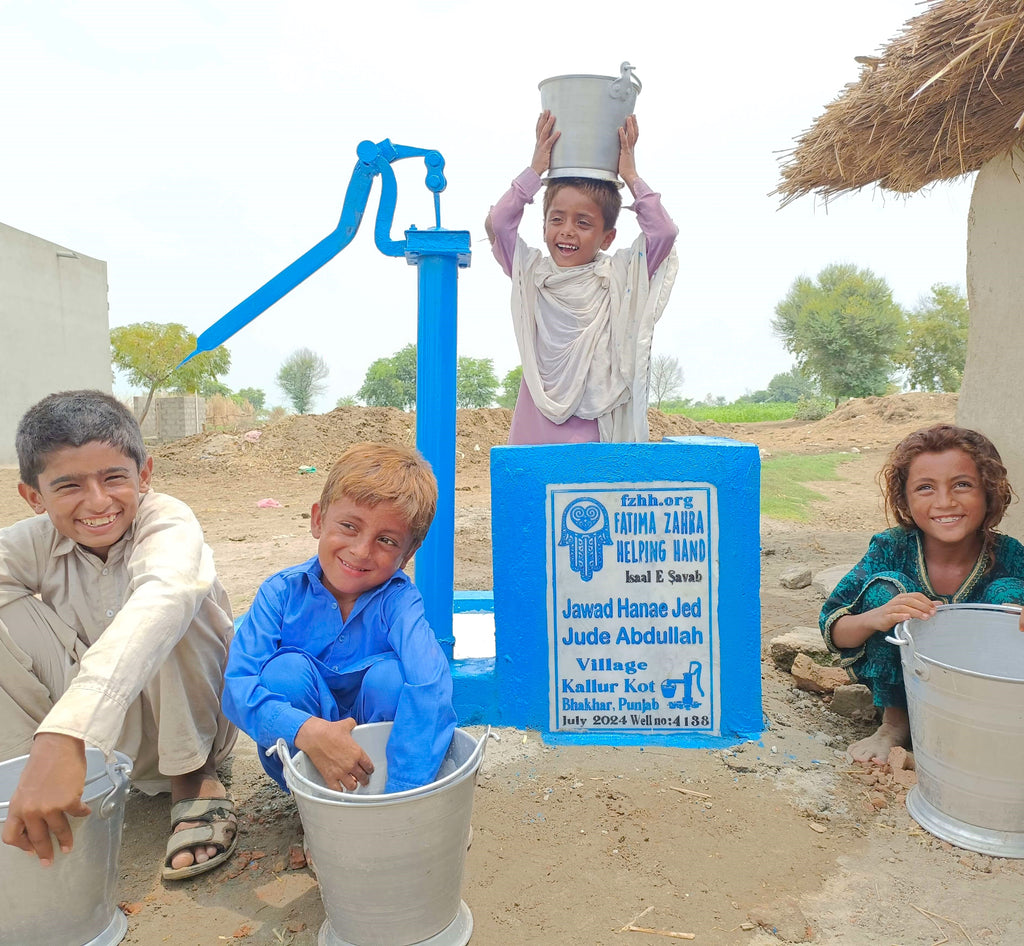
(825, 581)
(815, 678)
(799, 576)
(799, 640)
(853, 700)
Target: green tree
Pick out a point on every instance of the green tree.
(790, 386)
(475, 382)
(844, 329)
(257, 397)
(149, 354)
(301, 378)
(211, 387)
(510, 388)
(346, 400)
(391, 382)
(666, 379)
(760, 396)
(937, 340)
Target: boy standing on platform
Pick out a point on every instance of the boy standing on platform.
(584, 320)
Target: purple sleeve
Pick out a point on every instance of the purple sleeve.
(657, 226)
(506, 214)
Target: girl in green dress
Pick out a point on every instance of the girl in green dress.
(946, 489)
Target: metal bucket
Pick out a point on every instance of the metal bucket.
(589, 111)
(964, 674)
(72, 902)
(390, 866)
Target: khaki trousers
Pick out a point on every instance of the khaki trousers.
(171, 729)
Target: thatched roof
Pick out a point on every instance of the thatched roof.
(945, 96)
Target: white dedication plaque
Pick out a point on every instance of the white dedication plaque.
(632, 599)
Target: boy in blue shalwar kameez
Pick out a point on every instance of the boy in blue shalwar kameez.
(341, 639)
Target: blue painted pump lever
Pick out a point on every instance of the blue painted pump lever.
(374, 159)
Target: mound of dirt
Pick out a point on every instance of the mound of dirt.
(897, 413)
(318, 439)
(304, 440)
(866, 423)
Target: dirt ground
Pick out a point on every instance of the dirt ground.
(779, 839)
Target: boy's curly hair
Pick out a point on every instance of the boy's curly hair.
(373, 473)
(893, 476)
(603, 193)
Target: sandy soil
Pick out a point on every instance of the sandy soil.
(775, 840)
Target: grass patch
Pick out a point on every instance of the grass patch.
(783, 493)
(738, 413)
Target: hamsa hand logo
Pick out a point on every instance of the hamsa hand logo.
(585, 531)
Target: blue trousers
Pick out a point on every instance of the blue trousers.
(369, 696)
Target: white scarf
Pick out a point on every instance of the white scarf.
(585, 334)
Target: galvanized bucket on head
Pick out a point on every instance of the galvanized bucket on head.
(73, 901)
(589, 111)
(390, 866)
(964, 674)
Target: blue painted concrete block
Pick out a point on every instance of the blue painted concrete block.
(626, 591)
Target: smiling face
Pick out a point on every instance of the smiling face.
(360, 546)
(91, 493)
(574, 229)
(946, 496)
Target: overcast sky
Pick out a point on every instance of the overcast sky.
(200, 147)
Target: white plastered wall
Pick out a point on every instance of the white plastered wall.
(54, 326)
(992, 395)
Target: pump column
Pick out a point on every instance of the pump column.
(438, 255)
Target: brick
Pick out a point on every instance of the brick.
(817, 679)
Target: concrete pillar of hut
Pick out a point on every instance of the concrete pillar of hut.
(990, 395)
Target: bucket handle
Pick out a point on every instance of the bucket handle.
(902, 637)
(280, 749)
(622, 87)
(117, 772)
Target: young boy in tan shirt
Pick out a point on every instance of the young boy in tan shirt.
(114, 633)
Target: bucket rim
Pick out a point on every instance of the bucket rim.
(598, 174)
(121, 764)
(307, 788)
(576, 75)
(905, 637)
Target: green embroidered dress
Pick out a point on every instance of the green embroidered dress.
(894, 564)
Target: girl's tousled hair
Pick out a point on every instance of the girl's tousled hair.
(998, 492)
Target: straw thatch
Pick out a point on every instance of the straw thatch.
(944, 97)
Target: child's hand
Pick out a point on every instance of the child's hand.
(628, 134)
(336, 755)
(903, 608)
(49, 790)
(546, 138)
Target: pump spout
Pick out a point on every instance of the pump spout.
(374, 159)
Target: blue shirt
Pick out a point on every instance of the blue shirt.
(293, 610)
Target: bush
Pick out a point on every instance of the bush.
(813, 408)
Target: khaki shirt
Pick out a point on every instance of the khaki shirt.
(130, 611)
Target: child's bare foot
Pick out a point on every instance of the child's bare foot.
(894, 731)
(202, 784)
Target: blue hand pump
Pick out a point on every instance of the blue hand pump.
(437, 254)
